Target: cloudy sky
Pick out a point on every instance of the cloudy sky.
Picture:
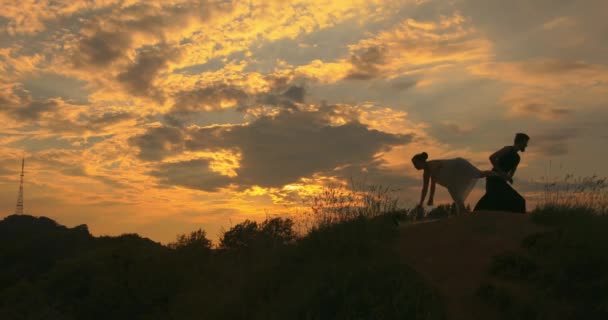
(162, 117)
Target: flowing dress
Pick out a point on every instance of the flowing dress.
(500, 196)
(459, 176)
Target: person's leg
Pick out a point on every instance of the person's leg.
(482, 204)
(513, 201)
(522, 205)
(519, 203)
(458, 201)
(487, 201)
(465, 209)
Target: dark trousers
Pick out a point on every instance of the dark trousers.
(500, 196)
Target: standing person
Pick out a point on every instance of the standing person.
(500, 195)
(457, 175)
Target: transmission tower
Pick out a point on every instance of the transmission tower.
(19, 209)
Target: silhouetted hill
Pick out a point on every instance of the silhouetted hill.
(50, 271)
(16, 227)
(30, 246)
(548, 265)
(552, 264)
(260, 271)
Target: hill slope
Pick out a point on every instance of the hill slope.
(347, 270)
(454, 254)
(548, 265)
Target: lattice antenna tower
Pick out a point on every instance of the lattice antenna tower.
(19, 209)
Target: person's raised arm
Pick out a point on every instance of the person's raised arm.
(425, 186)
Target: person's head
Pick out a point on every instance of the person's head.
(521, 141)
(419, 160)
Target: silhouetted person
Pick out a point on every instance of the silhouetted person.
(457, 175)
(500, 196)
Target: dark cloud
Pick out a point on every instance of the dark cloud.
(153, 20)
(193, 174)
(102, 48)
(109, 181)
(107, 38)
(282, 94)
(280, 150)
(403, 84)
(288, 98)
(158, 143)
(20, 106)
(33, 110)
(540, 109)
(53, 85)
(108, 118)
(553, 66)
(139, 77)
(449, 128)
(278, 83)
(89, 123)
(56, 161)
(295, 93)
(275, 150)
(554, 143)
(48, 114)
(554, 149)
(366, 63)
(375, 174)
(211, 212)
(207, 99)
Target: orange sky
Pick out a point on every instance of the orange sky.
(162, 117)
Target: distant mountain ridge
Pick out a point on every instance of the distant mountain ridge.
(32, 245)
(14, 225)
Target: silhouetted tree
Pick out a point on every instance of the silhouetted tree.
(195, 240)
(271, 232)
(241, 236)
(278, 231)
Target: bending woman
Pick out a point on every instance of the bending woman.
(457, 175)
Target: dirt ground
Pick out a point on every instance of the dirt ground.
(454, 254)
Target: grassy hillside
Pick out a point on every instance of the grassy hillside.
(354, 262)
(345, 270)
(560, 273)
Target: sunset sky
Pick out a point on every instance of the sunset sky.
(162, 117)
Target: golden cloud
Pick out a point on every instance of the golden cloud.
(411, 47)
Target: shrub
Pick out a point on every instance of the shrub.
(563, 270)
(570, 193)
(195, 240)
(270, 233)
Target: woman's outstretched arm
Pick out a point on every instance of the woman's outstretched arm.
(432, 194)
(425, 186)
